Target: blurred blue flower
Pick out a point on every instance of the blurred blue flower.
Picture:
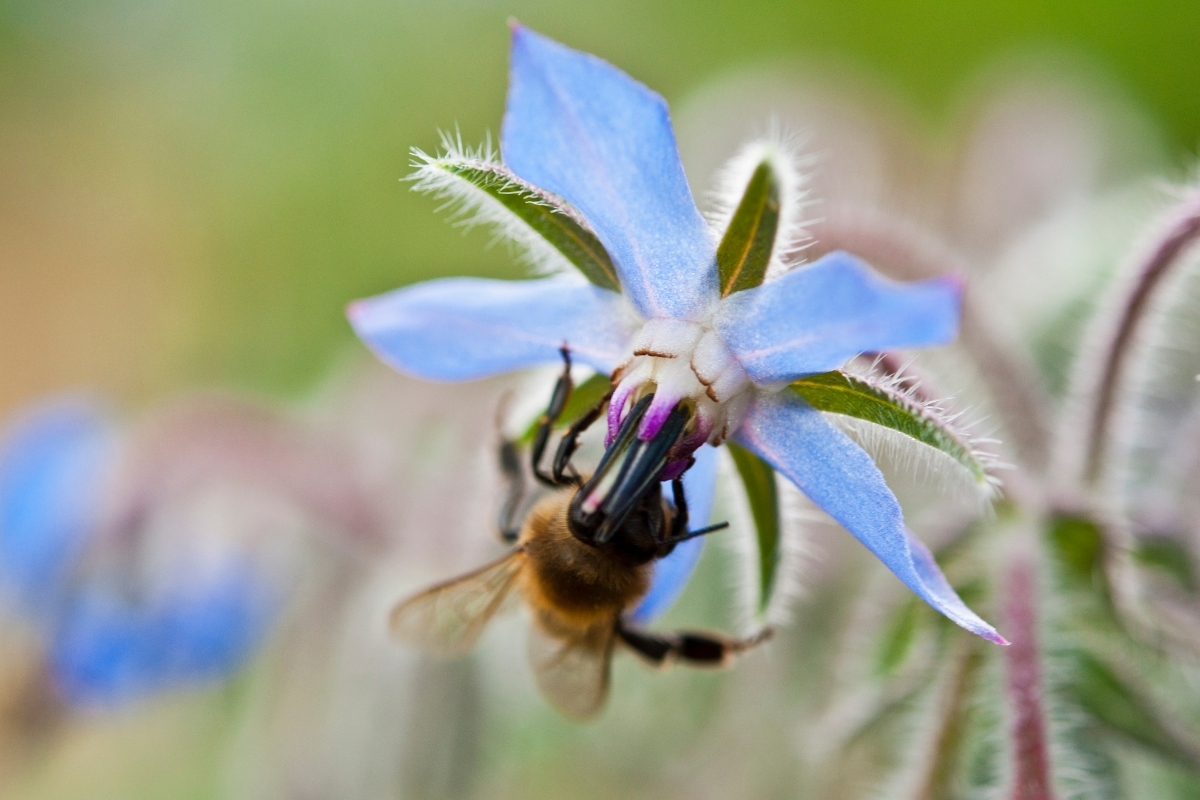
(126, 608)
(53, 462)
(111, 645)
(579, 128)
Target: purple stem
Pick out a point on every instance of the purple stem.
(1026, 702)
(1178, 233)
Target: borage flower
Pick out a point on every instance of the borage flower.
(591, 175)
(156, 558)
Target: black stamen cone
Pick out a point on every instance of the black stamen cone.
(630, 467)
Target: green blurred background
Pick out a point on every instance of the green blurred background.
(191, 191)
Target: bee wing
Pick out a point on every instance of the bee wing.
(573, 672)
(447, 619)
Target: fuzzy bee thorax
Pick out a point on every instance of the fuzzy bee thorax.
(580, 582)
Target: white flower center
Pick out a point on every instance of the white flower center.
(679, 360)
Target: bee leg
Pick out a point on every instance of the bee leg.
(654, 649)
(697, 649)
(563, 473)
(510, 469)
(558, 402)
(679, 525)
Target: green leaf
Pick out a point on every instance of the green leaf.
(585, 396)
(1123, 710)
(1169, 555)
(745, 249)
(759, 480)
(899, 636)
(474, 179)
(1078, 555)
(1078, 544)
(862, 398)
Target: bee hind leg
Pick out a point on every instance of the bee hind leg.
(564, 473)
(690, 647)
(561, 472)
(558, 403)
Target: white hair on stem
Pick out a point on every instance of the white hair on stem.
(1080, 770)
(782, 151)
(859, 695)
(1115, 340)
(470, 205)
(945, 702)
(1155, 418)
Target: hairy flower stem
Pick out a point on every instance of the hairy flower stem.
(936, 779)
(1026, 702)
(905, 252)
(1153, 266)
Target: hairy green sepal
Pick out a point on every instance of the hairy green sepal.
(842, 393)
(899, 637)
(745, 249)
(545, 214)
(763, 495)
(1169, 555)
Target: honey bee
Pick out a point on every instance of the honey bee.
(581, 559)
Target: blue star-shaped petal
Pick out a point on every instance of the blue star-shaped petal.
(581, 129)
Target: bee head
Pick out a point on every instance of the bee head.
(627, 480)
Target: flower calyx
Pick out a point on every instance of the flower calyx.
(680, 362)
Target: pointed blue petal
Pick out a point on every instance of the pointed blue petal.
(113, 647)
(53, 464)
(671, 574)
(815, 318)
(581, 128)
(839, 476)
(457, 329)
